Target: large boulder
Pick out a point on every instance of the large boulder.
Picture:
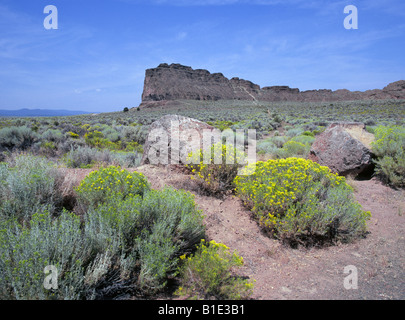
(172, 138)
(344, 147)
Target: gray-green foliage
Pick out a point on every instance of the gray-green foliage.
(26, 250)
(266, 146)
(389, 149)
(293, 149)
(174, 210)
(134, 134)
(31, 184)
(170, 225)
(85, 157)
(17, 137)
(53, 136)
(126, 243)
(112, 226)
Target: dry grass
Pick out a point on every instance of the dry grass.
(350, 180)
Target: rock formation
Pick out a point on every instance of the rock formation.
(172, 138)
(175, 81)
(344, 147)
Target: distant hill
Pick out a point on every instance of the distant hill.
(40, 113)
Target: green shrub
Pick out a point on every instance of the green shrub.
(51, 135)
(174, 213)
(126, 159)
(389, 148)
(73, 135)
(82, 157)
(98, 185)
(308, 133)
(370, 129)
(216, 168)
(207, 273)
(170, 225)
(154, 231)
(266, 146)
(17, 137)
(86, 157)
(279, 140)
(26, 251)
(293, 132)
(112, 226)
(30, 185)
(221, 125)
(321, 129)
(305, 139)
(157, 254)
(137, 133)
(301, 202)
(293, 149)
(125, 244)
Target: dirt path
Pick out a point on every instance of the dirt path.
(284, 273)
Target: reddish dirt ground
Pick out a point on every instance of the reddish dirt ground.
(297, 274)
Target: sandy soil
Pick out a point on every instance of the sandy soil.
(285, 273)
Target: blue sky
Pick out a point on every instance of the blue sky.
(96, 59)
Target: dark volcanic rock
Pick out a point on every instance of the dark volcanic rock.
(175, 81)
(180, 82)
(344, 147)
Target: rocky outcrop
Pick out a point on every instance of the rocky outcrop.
(180, 82)
(172, 138)
(344, 147)
(175, 81)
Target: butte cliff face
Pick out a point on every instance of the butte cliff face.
(175, 81)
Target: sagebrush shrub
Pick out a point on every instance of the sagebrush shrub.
(136, 133)
(128, 242)
(17, 137)
(82, 157)
(127, 159)
(305, 139)
(266, 146)
(86, 157)
(174, 213)
(389, 148)
(112, 226)
(26, 250)
(299, 201)
(53, 136)
(98, 185)
(30, 184)
(278, 140)
(208, 273)
(293, 149)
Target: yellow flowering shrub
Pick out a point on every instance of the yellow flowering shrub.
(207, 273)
(104, 183)
(73, 135)
(302, 202)
(216, 168)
